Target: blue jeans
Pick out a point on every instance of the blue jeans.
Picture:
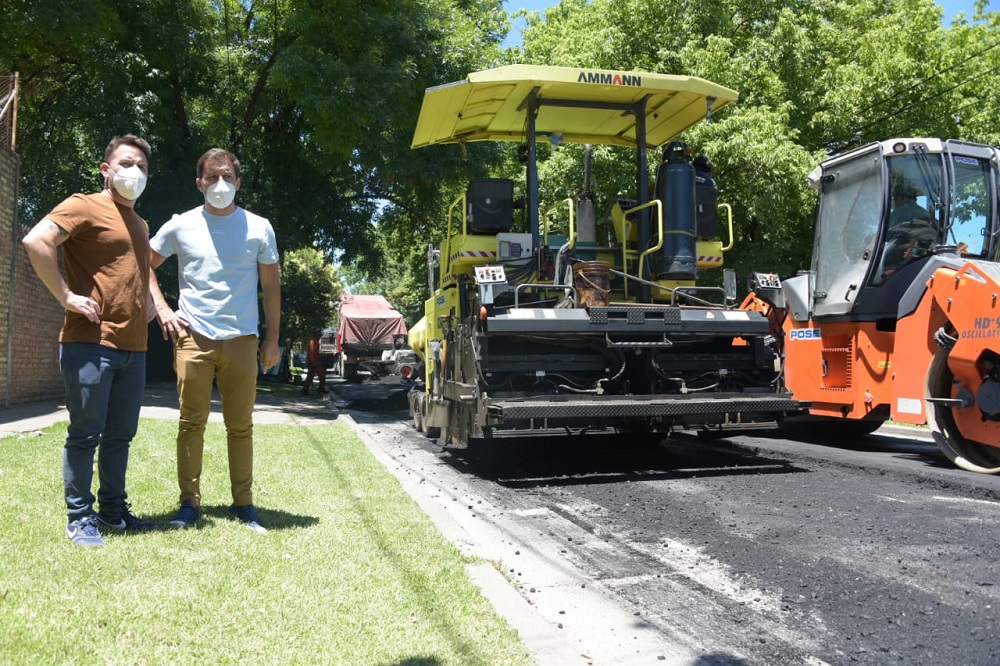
(104, 388)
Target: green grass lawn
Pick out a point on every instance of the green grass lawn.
(351, 571)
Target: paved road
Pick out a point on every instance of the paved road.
(741, 551)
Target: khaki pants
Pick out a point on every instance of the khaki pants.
(233, 365)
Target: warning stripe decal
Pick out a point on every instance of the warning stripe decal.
(474, 254)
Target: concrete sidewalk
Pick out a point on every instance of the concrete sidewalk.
(160, 402)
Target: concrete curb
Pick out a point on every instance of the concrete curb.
(540, 637)
(563, 615)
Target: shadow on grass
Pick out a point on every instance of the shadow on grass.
(272, 519)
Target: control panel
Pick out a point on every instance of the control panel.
(765, 281)
(767, 286)
(490, 274)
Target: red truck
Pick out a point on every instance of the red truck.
(366, 327)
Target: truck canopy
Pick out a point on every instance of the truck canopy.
(582, 105)
(368, 322)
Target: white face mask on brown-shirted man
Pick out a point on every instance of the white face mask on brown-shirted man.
(129, 182)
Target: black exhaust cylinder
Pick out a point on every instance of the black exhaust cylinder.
(675, 188)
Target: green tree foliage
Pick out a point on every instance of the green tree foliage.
(317, 98)
(815, 77)
(973, 50)
(310, 289)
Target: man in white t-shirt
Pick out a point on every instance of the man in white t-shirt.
(222, 250)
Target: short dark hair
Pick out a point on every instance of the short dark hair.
(218, 154)
(130, 140)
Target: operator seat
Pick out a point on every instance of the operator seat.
(490, 204)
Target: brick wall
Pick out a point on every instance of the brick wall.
(8, 200)
(30, 318)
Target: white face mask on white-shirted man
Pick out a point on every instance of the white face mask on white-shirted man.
(220, 194)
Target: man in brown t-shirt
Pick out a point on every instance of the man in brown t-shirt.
(102, 351)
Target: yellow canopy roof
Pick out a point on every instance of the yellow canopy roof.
(492, 105)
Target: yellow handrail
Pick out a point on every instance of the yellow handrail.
(446, 264)
(659, 230)
(572, 222)
(729, 215)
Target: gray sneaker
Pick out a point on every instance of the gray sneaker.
(84, 532)
(248, 515)
(186, 516)
(127, 522)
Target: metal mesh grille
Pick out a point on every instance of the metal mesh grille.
(598, 315)
(642, 406)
